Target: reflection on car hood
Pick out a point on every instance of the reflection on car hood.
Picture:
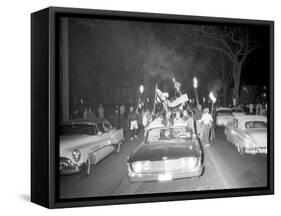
(168, 150)
(259, 135)
(76, 142)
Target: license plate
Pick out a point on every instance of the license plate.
(165, 177)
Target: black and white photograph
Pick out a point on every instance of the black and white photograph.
(149, 107)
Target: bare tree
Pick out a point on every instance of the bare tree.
(233, 42)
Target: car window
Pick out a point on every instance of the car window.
(78, 130)
(107, 126)
(235, 123)
(100, 127)
(255, 124)
(237, 110)
(168, 134)
(224, 113)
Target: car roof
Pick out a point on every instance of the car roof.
(251, 118)
(84, 121)
(223, 108)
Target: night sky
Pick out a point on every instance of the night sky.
(106, 51)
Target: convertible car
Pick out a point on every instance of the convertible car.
(223, 116)
(248, 133)
(167, 153)
(84, 143)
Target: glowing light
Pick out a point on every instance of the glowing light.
(212, 97)
(141, 89)
(204, 99)
(195, 82)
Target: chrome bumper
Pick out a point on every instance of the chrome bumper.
(259, 150)
(133, 177)
(67, 167)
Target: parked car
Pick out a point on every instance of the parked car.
(248, 133)
(84, 143)
(223, 116)
(238, 111)
(167, 153)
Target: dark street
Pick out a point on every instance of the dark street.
(225, 168)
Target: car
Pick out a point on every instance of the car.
(86, 142)
(248, 134)
(238, 111)
(223, 116)
(167, 153)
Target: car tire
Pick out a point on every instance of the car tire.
(242, 150)
(88, 166)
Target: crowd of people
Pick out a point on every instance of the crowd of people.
(200, 122)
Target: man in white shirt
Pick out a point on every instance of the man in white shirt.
(206, 121)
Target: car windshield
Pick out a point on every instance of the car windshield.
(78, 130)
(224, 113)
(168, 134)
(255, 124)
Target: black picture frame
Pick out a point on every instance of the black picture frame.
(44, 110)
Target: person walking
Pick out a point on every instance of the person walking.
(91, 114)
(133, 123)
(251, 108)
(206, 122)
(101, 111)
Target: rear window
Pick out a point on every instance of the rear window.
(224, 113)
(255, 124)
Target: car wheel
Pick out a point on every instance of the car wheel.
(88, 167)
(118, 146)
(242, 150)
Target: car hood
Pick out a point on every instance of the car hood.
(259, 135)
(70, 143)
(165, 150)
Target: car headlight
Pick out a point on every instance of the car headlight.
(140, 166)
(76, 154)
(137, 167)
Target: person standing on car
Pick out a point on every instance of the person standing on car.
(188, 120)
(133, 123)
(206, 122)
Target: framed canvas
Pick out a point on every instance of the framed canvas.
(139, 107)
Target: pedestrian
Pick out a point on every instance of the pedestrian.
(197, 117)
(133, 123)
(206, 122)
(101, 111)
(91, 114)
(85, 113)
(251, 108)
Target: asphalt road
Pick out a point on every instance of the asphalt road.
(225, 168)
